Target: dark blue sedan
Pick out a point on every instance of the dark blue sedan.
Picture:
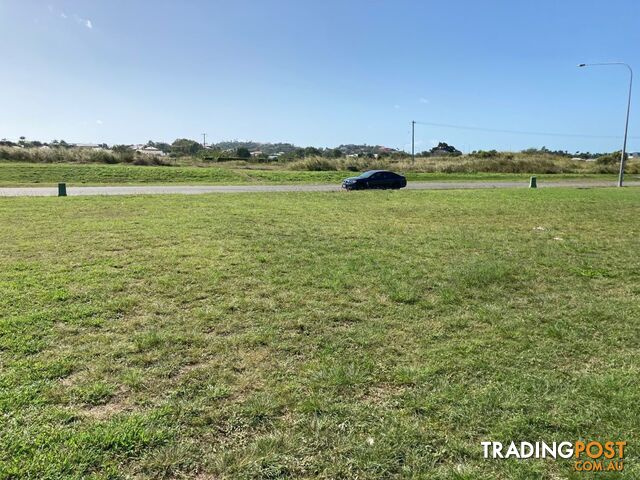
(375, 179)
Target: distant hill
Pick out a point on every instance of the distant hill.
(273, 148)
(187, 146)
(266, 148)
(352, 149)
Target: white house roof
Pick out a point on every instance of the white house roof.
(86, 145)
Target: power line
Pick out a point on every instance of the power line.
(517, 132)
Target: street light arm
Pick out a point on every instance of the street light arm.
(604, 63)
(609, 63)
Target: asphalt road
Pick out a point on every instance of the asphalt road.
(197, 189)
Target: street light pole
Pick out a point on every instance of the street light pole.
(626, 124)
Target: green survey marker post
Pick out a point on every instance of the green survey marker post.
(62, 189)
(533, 183)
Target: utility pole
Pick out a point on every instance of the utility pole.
(204, 140)
(413, 140)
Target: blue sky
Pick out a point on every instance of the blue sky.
(319, 73)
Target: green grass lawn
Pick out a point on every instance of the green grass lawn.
(316, 335)
(48, 174)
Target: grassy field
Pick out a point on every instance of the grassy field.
(316, 335)
(29, 174)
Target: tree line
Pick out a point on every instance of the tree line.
(184, 147)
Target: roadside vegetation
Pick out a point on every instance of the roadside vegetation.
(28, 165)
(443, 159)
(316, 335)
(498, 162)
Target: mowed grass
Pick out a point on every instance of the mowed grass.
(48, 174)
(12, 174)
(316, 335)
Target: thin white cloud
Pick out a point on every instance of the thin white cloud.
(82, 21)
(77, 18)
(99, 122)
(423, 100)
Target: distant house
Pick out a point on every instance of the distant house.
(152, 151)
(439, 152)
(634, 155)
(87, 146)
(256, 153)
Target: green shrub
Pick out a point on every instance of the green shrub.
(610, 159)
(315, 164)
(363, 164)
(485, 154)
(58, 154)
